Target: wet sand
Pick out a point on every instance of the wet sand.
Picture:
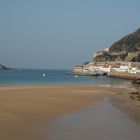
(100, 121)
(126, 104)
(25, 112)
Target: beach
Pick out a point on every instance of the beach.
(24, 108)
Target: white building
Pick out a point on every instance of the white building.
(106, 68)
(121, 68)
(134, 70)
(102, 68)
(78, 68)
(106, 49)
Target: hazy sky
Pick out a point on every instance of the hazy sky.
(61, 33)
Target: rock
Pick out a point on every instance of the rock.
(3, 68)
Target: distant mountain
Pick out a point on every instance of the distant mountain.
(2, 68)
(126, 49)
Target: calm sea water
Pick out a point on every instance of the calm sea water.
(46, 77)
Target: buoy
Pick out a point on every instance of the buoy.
(44, 74)
(76, 76)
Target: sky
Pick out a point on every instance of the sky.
(58, 34)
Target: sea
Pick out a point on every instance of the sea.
(53, 77)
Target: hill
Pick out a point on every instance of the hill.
(126, 49)
(129, 43)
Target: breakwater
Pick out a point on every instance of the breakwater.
(86, 73)
(120, 75)
(124, 75)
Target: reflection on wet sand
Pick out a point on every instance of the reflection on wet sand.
(101, 121)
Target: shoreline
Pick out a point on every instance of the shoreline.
(127, 105)
(100, 120)
(22, 108)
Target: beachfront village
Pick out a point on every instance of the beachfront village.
(120, 69)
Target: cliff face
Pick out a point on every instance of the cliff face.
(126, 49)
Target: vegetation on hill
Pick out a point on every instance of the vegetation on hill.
(126, 49)
(129, 43)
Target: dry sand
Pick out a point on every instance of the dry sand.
(23, 109)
